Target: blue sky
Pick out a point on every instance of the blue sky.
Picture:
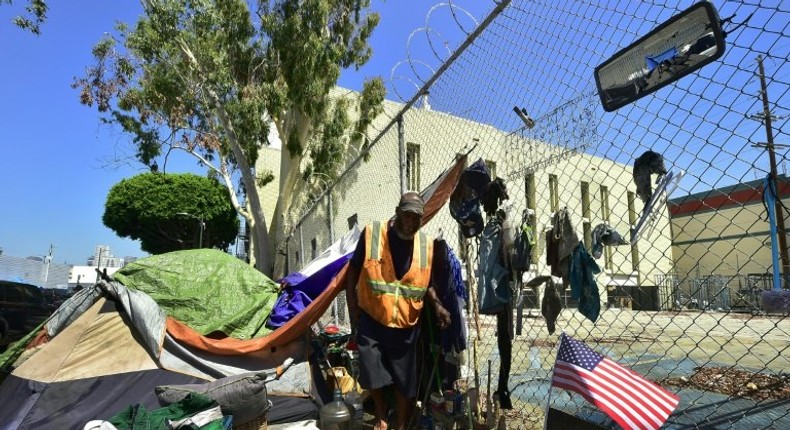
(57, 159)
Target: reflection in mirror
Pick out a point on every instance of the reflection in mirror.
(683, 44)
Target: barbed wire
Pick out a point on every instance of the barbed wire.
(682, 303)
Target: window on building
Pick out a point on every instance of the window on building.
(529, 193)
(605, 214)
(491, 168)
(586, 214)
(413, 166)
(554, 195)
(632, 222)
(314, 248)
(352, 221)
(529, 190)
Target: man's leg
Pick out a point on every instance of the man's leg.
(381, 408)
(405, 411)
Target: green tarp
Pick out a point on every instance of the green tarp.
(206, 289)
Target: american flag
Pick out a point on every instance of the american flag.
(628, 398)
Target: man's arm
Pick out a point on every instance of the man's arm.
(352, 277)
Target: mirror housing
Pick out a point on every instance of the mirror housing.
(684, 43)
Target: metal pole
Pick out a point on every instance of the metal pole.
(402, 155)
(301, 248)
(287, 255)
(769, 134)
(769, 191)
(331, 240)
(202, 225)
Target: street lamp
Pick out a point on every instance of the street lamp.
(202, 225)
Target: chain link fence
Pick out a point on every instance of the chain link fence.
(682, 304)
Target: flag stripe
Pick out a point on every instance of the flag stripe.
(621, 418)
(653, 388)
(615, 398)
(625, 376)
(636, 388)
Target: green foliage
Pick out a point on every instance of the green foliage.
(146, 207)
(36, 14)
(211, 77)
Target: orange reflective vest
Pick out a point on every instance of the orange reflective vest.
(390, 301)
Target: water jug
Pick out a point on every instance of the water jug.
(335, 414)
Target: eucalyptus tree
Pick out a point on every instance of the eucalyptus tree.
(35, 15)
(215, 77)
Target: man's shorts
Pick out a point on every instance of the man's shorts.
(381, 365)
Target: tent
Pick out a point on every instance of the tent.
(110, 345)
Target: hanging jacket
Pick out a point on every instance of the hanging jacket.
(561, 240)
(522, 250)
(444, 282)
(494, 277)
(393, 302)
(583, 287)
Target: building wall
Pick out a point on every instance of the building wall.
(720, 233)
(86, 275)
(372, 190)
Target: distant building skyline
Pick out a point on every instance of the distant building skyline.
(42, 271)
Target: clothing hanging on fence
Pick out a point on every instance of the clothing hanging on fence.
(602, 235)
(464, 203)
(644, 166)
(560, 243)
(523, 244)
(504, 342)
(445, 283)
(582, 278)
(551, 305)
(495, 296)
(493, 275)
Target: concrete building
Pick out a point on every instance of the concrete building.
(539, 176)
(102, 257)
(721, 238)
(86, 275)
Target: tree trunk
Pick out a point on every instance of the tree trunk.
(290, 174)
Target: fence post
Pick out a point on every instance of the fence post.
(288, 255)
(329, 209)
(301, 247)
(402, 154)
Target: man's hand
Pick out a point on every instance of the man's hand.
(443, 316)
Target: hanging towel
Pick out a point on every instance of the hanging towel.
(583, 287)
